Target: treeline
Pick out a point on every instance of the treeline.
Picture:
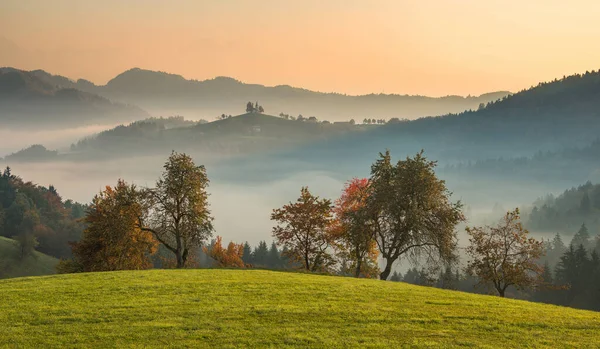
(570, 164)
(126, 225)
(567, 211)
(401, 212)
(572, 273)
(37, 217)
(147, 132)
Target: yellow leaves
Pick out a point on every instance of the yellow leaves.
(113, 239)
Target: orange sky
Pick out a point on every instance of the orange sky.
(428, 47)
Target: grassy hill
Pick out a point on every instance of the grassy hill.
(254, 308)
(12, 266)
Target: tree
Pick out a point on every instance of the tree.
(411, 211)
(448, 279)
(353, 232)
(504, 255)
(302, 228)
(554, 249)
(261, 253)
(352, 122)
(113, 239)
(585, 206)
(582, 237)
(261, 109)
(545, 290)
(230, 257)
(249, 107)
(396, 276)
(273, 257)
(247, 254)
(177, 210)
(572, 274)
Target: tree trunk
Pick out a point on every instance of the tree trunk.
(358, 267)
(386, 272)
(180, 261)
(306, 262)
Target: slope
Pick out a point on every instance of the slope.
(252, 308)
(12, 266)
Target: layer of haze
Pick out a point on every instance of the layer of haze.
(429, 47)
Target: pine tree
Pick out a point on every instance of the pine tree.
(396, 276)
(582, 237)
(261, 255)
(545, 291)
(247, 256)
(586, 205)
(273, 258)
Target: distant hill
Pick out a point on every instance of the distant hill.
(34, 100)
(217, 308)
(167, 94)
(36, 152)
(549, 117)
(243, 134)
(12, 266)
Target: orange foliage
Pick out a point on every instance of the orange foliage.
(113, 239)
(353, 232)
(230, 257)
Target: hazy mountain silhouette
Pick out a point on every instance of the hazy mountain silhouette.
(39, 100)
(168, 94)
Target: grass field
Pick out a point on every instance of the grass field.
(254, 308)
(12, 266)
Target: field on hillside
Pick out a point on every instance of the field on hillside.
(253, 308)
(12, 266)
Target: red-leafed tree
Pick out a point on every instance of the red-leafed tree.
(353, 231)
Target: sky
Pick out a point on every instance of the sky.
(426, 47)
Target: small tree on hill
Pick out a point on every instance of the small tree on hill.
(261, 109)
(352, 230)
(302, 228)
(411, 211)
(504, 255)
(249, 107)
(113, 239)
(177, 210)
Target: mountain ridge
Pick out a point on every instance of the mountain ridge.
(164, 93)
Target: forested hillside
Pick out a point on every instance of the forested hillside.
(37, 217)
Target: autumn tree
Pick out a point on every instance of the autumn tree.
(113, 239)
(230, 257)
(352, 230)
(504, 255)
(411, 211)
(302, 229)
(177, 210)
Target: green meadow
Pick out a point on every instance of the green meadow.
(256, 308)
